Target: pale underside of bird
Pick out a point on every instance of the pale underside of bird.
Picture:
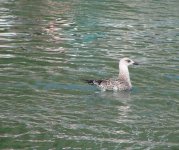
(122, 83)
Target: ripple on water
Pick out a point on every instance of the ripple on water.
(49, 47)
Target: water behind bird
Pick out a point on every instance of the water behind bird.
(48, 47)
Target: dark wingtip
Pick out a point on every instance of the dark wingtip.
(89, 81)
(93, 81)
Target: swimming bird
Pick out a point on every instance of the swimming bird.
(121, 83)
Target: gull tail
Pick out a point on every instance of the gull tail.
(93, 82)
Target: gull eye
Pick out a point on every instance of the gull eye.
(128, 61)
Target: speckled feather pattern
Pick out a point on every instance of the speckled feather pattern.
(114, 84)
(121, 83)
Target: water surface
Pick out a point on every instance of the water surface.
(48, 47)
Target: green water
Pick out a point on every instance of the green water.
(48, 47)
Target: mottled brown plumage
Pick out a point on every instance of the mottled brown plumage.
(121, 83)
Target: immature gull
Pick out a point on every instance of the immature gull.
(121, 83)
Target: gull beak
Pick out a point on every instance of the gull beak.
(135, 63)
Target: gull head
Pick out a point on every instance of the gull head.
(127, 62)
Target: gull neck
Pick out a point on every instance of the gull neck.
(124, 74)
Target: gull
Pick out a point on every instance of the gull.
(122, 83)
